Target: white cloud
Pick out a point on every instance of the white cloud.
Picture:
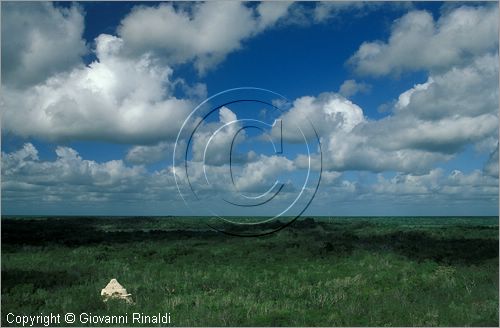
(212, 141)
(127, 94)
(471, 90)
(491, 166)
(356, 151)
(73, 181)
(23, 167)
(327, 10)
(150, 154)
(446, 113)
(402, 143)
(433, 193)
(270, 12)
(72, 184)
(404, 98)
(430, 123)
(409, 184)
(351, 87)
(330, 177)
(253, 178)
(350, 141)
(115, 98)
(205, 32)
(418, 42)
(447, 136)
(328, 113)
(38, 40)
(436, 183)
(261, 174)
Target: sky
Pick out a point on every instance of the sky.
(354, 108)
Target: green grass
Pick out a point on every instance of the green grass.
(335, 272)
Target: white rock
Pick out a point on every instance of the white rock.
(114, 290)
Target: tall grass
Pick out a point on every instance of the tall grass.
(335, 273)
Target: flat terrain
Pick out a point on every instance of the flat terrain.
(317, 272)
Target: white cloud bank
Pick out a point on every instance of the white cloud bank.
(204, 32)
(70, 180)
(68, 176)
(351, 87)
(418, 42)
(127, 94)
(431, 122)
(114, 98)
(39, 40)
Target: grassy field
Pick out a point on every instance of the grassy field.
(321, 272)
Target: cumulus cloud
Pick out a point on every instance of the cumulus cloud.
(327, 10)
(263, 173)
(349, 139)
(409, 184)
(23, 168)
(127, 94)
(456, 185)
(448, 136)
(433, 193)
(328, 113)
(30, 184)
(491, 166)
(115, 98)
(211, 143)
(150, 154)
(38, 40)
(471, 90)
(351, 87)
(70, 179)
(431, 122)
(270, 12)
(418, 42)
(449, 111)
(199, 32)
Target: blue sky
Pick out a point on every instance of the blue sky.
(404, 97)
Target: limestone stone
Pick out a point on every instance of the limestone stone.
(115, 290)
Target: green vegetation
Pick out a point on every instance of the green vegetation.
(322, 272)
